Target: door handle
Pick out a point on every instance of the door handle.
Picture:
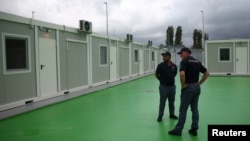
(42, 66)
(237, 59)
(111, 62)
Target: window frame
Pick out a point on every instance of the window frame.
(28, 55)
(219, 53)
(100, 63)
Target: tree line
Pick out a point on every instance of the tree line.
(170, 36)
(197, 37)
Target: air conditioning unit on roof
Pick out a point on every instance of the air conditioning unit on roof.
(150, 43)
(129, 38)
(85, 26)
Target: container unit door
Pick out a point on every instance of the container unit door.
(156, 59)
(241, 60)
(159, 57)
(113, 67)
(48, 74)
(124, 61)
(141, 61)
(77, 64)
(146, 61)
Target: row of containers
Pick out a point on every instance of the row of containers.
(43, 60)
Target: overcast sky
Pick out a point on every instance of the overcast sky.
(145, 19)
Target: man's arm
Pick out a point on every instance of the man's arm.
(158, 72)
(183, 68)
(205, 74)
(157, 76)
(204, 77)
(182, 77)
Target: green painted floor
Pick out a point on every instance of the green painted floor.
(128, 112)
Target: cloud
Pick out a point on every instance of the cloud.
(229, 21)
(145, 19)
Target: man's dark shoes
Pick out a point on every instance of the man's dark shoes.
(193, 132)
(173, 132)
(159, 119)
(173, 117)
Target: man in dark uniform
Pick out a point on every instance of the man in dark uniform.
(165, 73)
(190, 68)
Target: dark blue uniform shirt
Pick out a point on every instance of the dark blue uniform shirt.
(192, 68)
(167, 73)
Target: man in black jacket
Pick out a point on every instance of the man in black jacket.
(165, 73)
(190, 69)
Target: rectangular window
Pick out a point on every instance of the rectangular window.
(136, 56)
(103, 55)
(224, 54)
(153, 56)
(16, 53)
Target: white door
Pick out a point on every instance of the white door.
(141, 61)
(113, 73)
(241, 60)
(156, 59)
(48, 75)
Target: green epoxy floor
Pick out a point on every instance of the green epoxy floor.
(128, 112)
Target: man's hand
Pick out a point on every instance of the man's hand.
(184, 86)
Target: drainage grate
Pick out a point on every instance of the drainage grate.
(149, 91)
